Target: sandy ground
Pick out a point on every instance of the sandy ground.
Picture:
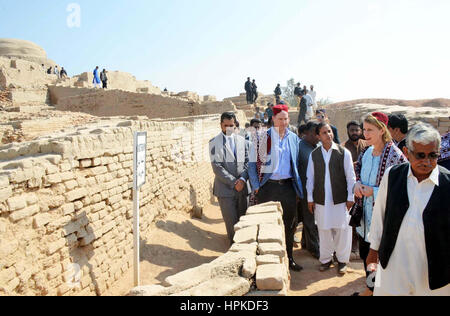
(177, 243)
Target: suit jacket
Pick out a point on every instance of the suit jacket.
(267, 168)
(228, 167)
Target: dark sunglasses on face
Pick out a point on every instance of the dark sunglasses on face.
(422, 156)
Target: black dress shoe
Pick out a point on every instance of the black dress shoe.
(294, 266)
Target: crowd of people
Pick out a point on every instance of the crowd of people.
(61, 74)
(379, 195)
(99, 77)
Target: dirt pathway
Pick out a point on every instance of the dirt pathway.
(178, 242)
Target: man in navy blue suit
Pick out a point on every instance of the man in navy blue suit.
(280, 177)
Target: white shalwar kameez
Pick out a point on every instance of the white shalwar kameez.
(332, 220)
(407, 270)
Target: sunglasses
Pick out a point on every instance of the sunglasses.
(423, 156)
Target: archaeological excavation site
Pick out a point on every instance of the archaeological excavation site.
(66, 189)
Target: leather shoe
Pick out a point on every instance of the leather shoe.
(294, 266)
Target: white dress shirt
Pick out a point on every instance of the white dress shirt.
(407, 270)
(331, 216)
(230, 143)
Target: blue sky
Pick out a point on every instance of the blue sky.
(348, 49)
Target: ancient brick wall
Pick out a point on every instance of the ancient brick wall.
(122, 103)
(256, 264)
(66, 201)
(340, 115)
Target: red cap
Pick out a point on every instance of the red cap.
(383, 118)
(280, 108)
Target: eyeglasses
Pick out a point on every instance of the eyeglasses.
(422, 156)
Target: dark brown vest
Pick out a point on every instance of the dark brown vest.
(436, 222)
(337, 176)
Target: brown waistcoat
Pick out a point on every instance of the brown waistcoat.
(337, 176)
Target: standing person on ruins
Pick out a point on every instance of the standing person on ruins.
(280, 179)
(104, 79)
(398, 127)
(63, 73)
(370, 169)
(57, 72)
(303, 110)
(248, 90)
(313, 95)
(96, 80)
(411, 222)
(298, 93)
(310, 234)
(278, 93)
(330, 181)
(254, 92)
(229, 160)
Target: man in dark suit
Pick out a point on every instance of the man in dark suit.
(229, 160)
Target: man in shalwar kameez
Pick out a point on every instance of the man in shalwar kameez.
(411, 222)
(330, 182)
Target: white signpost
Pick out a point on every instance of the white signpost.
(139, 168)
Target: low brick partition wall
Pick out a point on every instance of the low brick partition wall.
(256, 264)
(341, 115)
(66, 201)
(110, 103)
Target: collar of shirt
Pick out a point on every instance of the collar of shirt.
(276, 134)
(434, 176)
(333, 146)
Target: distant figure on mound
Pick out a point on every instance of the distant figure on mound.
(63, 73)
(254, 92)
(96, 80)
(298, 92)
(104, 79)
(278, 93)
(57, 72)
(248, 90)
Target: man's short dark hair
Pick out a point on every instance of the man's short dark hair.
(311, 125)
(320, 126)
(228, 116)
(247, 125)
(301, 129)
(255, 121)
(398, 121)
(353, 123)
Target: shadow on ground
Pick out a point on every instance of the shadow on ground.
(197, 238)
(174, 259)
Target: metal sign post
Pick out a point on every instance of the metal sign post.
(139, 168)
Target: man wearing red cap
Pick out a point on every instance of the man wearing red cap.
(279, 153)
